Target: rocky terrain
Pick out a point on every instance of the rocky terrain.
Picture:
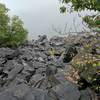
(42, 70)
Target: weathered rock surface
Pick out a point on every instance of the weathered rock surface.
(37, 70)
(66, 91)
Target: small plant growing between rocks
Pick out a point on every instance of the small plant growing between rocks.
(88, 67)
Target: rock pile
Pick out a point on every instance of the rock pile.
(36, 71)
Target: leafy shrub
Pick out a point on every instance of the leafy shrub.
(88, 66)
(92, 21)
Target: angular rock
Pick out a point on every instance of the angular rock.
(66, 91)
(20, 90)
(87, 94)
(14, 93)
(27, 54)
(60, 77)
(7, 96)
(27, 57)
(57, 41)
(9, 65)
(36, 80)
(5, 51)
(36, 94)
(37, 64)
(12, 74)
(42, 38)
(2, 61)
(16, 53)
(41, 70)
(27, 67)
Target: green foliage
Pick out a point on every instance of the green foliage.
(89, 68)
(89, 20)
(79, 5)
(88, 64)
(62, 9)
(92, 23)
(12, 32)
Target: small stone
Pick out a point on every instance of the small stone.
(2, 60)
(42, 38)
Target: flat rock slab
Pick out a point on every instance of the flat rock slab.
(7, 96)
(14, 93)
(87, 95)
(5, 51)
(36, 79)
(12, 74)
(36, 94)
(66, 91)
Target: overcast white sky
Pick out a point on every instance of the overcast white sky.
(27, 5)
(40, 15)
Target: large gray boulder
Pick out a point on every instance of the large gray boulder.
(87, 94)
(5, 51)
(14, 93)
(13, 73)
(66, 91)
(36, 94)
(7, 96)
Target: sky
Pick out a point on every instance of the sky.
(42, 16)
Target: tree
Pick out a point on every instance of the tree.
(4, 20)
(79, 5)
(93, 21)
(12, 31)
